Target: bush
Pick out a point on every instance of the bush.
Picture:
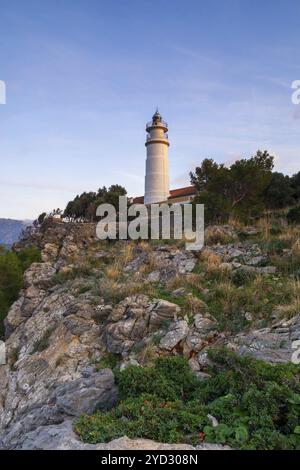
(12, 266)
(257, 405)
(242, 276)
(293, 215)
(170, 379)
(109, 361)
(27, 256)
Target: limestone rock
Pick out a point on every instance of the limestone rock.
(203, 359)
(179, 292)
(2, 353)
(162, 311)
(267, 270)
(128, 324)
(204, 324)
(177, 332)
(39, 274)
(54, 437)
(154, 276)
(62, 437)
(274, 344)
(219, 234)
(193, 342)
(50, 252)
(87, 394)
(69, 248)
(136, 263)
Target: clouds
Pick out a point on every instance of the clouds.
(83, 80)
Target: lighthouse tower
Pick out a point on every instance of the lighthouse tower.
(157, 164)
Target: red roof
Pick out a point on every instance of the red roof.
(174, 193)
(138, 200)
(180, 192)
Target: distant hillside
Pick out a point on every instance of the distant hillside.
(10, 230)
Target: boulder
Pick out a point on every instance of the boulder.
(275, 344)
(39, 274)
(136, 263)
(203, 359)
(87, 394)
(177, 332)
(127, 324)
(154, 276)
(50, 252)
(69, 248)
(204, 324)
(162, 311)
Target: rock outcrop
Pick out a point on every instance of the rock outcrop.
(62, 437)
(279, 343)
(66, 320)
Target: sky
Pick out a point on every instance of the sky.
(84, 76)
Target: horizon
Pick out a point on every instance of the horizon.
(82, 79)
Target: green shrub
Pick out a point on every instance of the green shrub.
(171, 379)
(257, 405)
(242, 276)
(109, 361)
(12, 266)
(293, 215)
(27, 256)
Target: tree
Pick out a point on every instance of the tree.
(279, 192)
(293, 215)
(41, 218)
(295, 185)
(234, 191)
(84, 207)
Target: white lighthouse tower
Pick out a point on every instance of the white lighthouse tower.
(157, 164)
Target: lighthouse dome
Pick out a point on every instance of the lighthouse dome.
(156, 116)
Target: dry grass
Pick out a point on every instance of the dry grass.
(148, 354)
(236, 223)
(149, 289)
(126, 254)
(216, 236)
(288, 311)
(145, 245)
(177, 282)
(264, 225)
(290, 236)
(225, 290)
(151, 265)
(296, 247)
(113, 271)
(291, 308)
(122, 257)
(212, 261)
(113, 291)
(196, 305)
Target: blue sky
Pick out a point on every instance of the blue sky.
(83, 77)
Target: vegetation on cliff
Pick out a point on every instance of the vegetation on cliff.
(84, 206)
(244, 190)
(245, 403)
(12, 267)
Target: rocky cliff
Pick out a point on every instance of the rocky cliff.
(88, 299)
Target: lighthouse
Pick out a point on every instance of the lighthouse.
(157, 164)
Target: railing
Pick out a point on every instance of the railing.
(157, 123)
(165, 136)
